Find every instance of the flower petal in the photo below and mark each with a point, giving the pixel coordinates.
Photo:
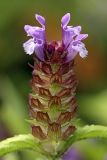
(81, 37)
(69, 33)
(39, 49)
(77, 30)
(40, 19)
(80, 47)
(74, 48)
(29, 46)
(71, 53)
(29, 30)
(65, 20)
(35, 32)
(26, 28)
(67, 37)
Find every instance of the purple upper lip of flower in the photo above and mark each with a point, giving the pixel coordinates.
(71, 39)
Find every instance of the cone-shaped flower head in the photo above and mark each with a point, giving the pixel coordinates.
(52, 102)
(71, 40)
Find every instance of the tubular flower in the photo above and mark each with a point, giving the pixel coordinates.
(52, 102)
(72, 38)
(36, 43)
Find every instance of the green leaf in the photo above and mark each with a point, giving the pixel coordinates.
(29, 142)
(18, 143)
(92, 131)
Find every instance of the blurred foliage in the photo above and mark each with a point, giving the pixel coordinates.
(13, 109)
(15, 73)
(94, 108)
(92, 149)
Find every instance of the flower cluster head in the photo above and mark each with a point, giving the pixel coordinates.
(52, 102)
(70, 45)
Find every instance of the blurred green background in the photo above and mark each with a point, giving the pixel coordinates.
(15, 72)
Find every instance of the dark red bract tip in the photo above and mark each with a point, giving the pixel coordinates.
(54, 51)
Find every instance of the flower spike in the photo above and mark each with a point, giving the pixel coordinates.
(52, 102)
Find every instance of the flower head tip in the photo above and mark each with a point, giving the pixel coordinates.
(71, 39)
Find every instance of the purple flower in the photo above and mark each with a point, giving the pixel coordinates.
(72, 154)
(36, 43)
(71, 40)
